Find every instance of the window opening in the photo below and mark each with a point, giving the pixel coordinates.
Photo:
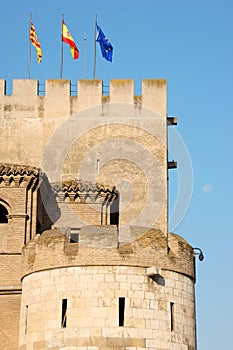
(74, 234)
(97, 166)
(74, 237)
(172, 316)
(114, 212)
(26, 318)
(64, 313)
(3, 214)
(121, 311)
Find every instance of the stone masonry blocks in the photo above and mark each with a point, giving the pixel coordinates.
(96, 312)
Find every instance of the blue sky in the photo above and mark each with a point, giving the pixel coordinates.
(190, 43)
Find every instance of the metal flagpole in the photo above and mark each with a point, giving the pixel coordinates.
(95, 22)
(61, 58)
(29, 47)
(85, 47)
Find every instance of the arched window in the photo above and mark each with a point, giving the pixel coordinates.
(3, 214)
(114, 211)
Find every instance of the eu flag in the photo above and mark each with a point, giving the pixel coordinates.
(105, 45)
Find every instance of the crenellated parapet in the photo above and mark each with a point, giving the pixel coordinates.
(53, 250)
(57, 101)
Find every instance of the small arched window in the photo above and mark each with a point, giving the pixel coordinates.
(3, 214)
(114, 211)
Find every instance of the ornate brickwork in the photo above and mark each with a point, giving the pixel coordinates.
(80, 191)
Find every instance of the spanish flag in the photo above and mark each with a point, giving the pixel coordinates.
(35, 42)
(67, 38)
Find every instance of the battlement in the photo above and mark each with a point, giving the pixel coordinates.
(58, 101)
(96, 247)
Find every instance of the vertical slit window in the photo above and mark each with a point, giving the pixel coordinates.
(172, 316)
(121, 311)
(98, 166)
(26, 318)
(64, 313)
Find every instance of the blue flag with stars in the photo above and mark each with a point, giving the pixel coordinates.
(105, 45)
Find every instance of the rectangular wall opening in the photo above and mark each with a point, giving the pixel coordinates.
(64, 313)
(121, 311)
(172, 316)
(114, 212)
(74, 238)
(26, 318)
(74, 234)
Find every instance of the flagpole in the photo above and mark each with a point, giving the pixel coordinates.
(29, 47)
(95, 22)
(61, 58)
(84, 55)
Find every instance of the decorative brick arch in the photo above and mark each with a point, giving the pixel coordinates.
(4, 211)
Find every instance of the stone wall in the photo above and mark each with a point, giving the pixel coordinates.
(92, 280)
(116, 140)
(9, 319)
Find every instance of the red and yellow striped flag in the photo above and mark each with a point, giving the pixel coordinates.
(67, 38)
(35, 42)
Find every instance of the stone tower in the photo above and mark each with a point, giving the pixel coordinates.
(86, 258)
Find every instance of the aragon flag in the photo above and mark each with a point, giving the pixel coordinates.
(35, 42)
(67, 38)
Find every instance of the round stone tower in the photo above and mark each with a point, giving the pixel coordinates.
(132, 296)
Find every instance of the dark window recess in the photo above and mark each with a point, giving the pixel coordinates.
(38, 227)
(121, 311)
(3, 214)
(114, 212)
(26, 318)
(74, 238)
(64, 313)
(172, 316)
(74, 235)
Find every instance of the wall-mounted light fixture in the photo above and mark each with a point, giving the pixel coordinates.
(198, 251)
